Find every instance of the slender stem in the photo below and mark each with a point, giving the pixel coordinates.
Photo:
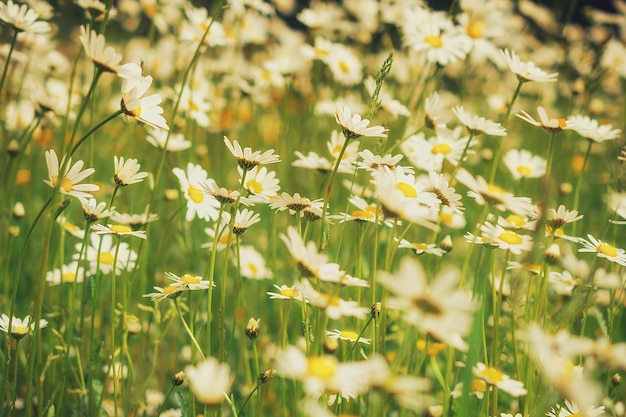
(92, 130)
(113, 367)
(8, 62)
(188, 330)
(458, 165)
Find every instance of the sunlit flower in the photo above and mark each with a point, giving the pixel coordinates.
(143, 109)
(347, 335)
(477, 125)
(285, 293)
(446, 194)
(67, 274)
(421, 248)
(73, 175)
(354, 127)
(372, 162)
(22, 18)
(563, 282)
(526, 71)
(344, 65)
(438, 308)
(248, 159)
(20, 327)
(252, 264)
(295, 203)
(243, 220)
(496, 377)
(591, 129)
(210, 381)
(429, 155)
(118, 230)
(101, 255)
(506, 239)
(221, 194)
(199, 204)
(94, 211)
(127, 171)
(105, 57)
(261, 185)
(561, 216)
(135, 221)
(365, 212)
(434, 117)
(162, 293)
(70, 227)
(310, 261)
(198, 23)
(571, 409)
(545, 121)
(603, 250)
(334, 306)
(522, 164)
(189, 282)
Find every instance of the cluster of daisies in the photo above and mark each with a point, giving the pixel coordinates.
(438, 238)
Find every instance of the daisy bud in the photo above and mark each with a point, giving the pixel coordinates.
(266, 375)
(434, 411)
(486, 154)
(552, 255)
(171, 194)
(375, 310)
(14, 231)
(331, 345)
(133, 325)
(18, 210)
(616, 379)
(446, 244)
(565, 189)
(252, 329)
(179, 378)
(14, 148)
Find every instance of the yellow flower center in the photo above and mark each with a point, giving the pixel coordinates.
(253, 269)
(195, 194)
(190, 279)
(65, 183)
(407, 189)
(478, 385)
(441, 148)
(20, 330)
(347, 334)
(433, 347)
(492, 375)
(344, 67)
(254, 186)
(266, 75)
(534, 268)
(70, 227)
(516, 220)
(321, 366)
(321, 52)
(434, 41)
(475, 29)
(420, 246)
(607, 250)
(171, 289)
(290, 292)
(524, 170)
(192, 105)
(364, 214)
(136, 112)
(331, 300)
(446, 218)
(106, 258)
(68, 277)
(494, 189)
(120, 228)
(511, 238)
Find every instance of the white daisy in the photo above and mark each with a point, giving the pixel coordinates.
(143, 109)
(248, 159)
(127, 172)
(546, 122)
(591, 129)
(506, 239)
(22, 18)
(353, 126)
(210, 381)
(522, 164)
(603, 250)
(526, 71)
(477, 125)
(70, 180)
(199, 204)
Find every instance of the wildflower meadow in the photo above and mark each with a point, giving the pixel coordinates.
(280, 208)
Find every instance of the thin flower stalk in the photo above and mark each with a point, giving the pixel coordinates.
(579, 182)
(505, 119)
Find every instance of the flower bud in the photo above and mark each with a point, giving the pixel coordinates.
(446, 244)
(179, 378)
(552, 255)
(252, 329)
(18, 210)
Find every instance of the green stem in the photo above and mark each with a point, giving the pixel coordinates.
(579, 182)
(188, 330)
(8, 61)
(91, 131)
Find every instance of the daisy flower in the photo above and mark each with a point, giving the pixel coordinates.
(188, 282)
(69, 273)
(561, 216)
(135, 221)
(477, 125)
(243, 220)
(143, 109)
(429, 155)
(446, 194)
(127, 171)
(105, 57)
(197, 23)
(563, 282)
(199, 204)
(591, 129)
(603, 250)
(70, 227)
(522, 164)
(94, 211)
(485, 193)
(176, 142)
(248, 159)
(221, 194)
(365, 212)
(319, 374)
(499, 379)
(171, 292)
(334, 306)
(210, 381)
(101, 255)
(347, 335)
(372, 162)
(354, 127)
(71, 178)
(421, 248)
(438, 308)
(252, 264)
(285, 293)
(261, 184)
(295, 203)
(506, 239)
(225, 237)
(19, 327)
(316, 162)
(118, 230)
(545, 122)
(336, 144)
(310, 261)
(526, 71)
(434, 117)
(344, 65)
(571, 409)
(22, 18)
